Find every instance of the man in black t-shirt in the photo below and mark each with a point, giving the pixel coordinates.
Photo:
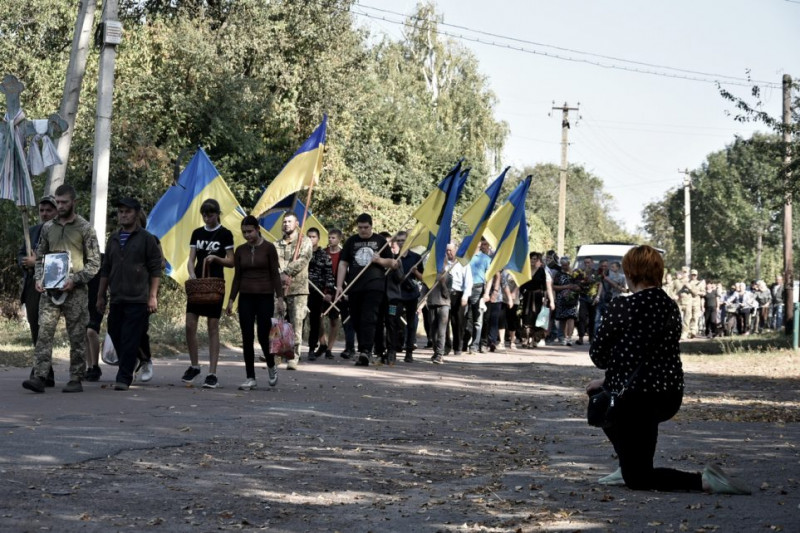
(211, 245)
(364, 259)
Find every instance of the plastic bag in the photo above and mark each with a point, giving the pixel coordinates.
(543, 320)
(108, 353)
(281, 339)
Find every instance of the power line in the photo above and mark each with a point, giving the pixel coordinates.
(690, 75)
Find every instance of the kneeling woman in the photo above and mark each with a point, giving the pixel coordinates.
(638, 346)
(257, 282)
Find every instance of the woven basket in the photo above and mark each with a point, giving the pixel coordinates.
(205, 290)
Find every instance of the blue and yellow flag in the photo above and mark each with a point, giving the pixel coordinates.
(435, 265)
(430, 212)
(512, 244)
(177, 214)
(301, 171)
(272, 221)
(477, 216)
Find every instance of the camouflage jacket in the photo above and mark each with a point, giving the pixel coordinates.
(296, 269)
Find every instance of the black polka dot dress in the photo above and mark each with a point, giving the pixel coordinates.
(645, 326)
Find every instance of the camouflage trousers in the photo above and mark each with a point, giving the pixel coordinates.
(690, 311)
(297, 309)
(75, 310)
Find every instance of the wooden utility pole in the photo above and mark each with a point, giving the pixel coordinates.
(72, 88)
(110, 36)
(562, 188)
(788, 271)
(687, 216)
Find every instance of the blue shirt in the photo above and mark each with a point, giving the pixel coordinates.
(479, 265)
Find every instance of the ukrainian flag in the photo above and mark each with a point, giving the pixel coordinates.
(512, 245)
(177, 214)
(272, 222)
(302, 170)
(435, 264)
(477, 216)
(430, 212)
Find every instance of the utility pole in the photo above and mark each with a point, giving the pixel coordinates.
(788, 271)
(562, 189)
(72, 89)
(687, 216)
(110, 34)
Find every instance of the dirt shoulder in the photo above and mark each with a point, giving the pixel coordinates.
(485, 442)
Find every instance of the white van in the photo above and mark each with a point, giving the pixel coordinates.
(604, 251)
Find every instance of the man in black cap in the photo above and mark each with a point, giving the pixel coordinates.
(131, 273)
(30, 296)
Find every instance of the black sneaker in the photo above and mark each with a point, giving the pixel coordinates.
(211, 382)
(73, 386)
(321, 350)
(328, 354)
(409, 357)
(35, 384)
(94, 373)
(312, 356)
(190, 374)
(347, 354)
(437, 360)
(363, 359)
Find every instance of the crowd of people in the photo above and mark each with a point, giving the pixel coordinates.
(709, 310)
(363, 285)
(377, 293)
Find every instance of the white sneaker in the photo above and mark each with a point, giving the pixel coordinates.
(146, 371)
(613, 479)
(273, 375)
(541, 344)
(249, 384)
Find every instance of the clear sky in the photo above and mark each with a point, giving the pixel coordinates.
(635, 130)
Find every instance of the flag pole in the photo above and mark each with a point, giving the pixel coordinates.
(25, 228)
(308, 204)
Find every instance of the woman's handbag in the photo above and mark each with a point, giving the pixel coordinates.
(543, 320)
(602, 406)
(600, 412)
(281, 339)
(205, 290)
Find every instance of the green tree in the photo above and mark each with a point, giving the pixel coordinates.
(735, 209)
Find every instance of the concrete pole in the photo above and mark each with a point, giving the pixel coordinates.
(72, 89)
(562, 187)
(788, 270)
(687, 217)
(102, 131)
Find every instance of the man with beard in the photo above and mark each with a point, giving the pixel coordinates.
(72, 234)
(294, 275)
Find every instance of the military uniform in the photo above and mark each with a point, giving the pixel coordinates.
(296, 295)
(697, 287)
(680, 288)
(79, 239)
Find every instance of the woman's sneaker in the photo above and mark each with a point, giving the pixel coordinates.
(191, 373)
(249, 384)
(273, 375)
(211, 382)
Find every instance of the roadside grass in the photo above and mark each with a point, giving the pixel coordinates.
(167, 331)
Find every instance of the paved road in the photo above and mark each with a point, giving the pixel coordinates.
(489, 442)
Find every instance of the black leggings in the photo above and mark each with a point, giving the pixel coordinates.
(256, 309)
(634, 436)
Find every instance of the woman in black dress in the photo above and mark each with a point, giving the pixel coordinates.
(640, 337)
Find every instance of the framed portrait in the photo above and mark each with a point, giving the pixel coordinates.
(56, 270)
